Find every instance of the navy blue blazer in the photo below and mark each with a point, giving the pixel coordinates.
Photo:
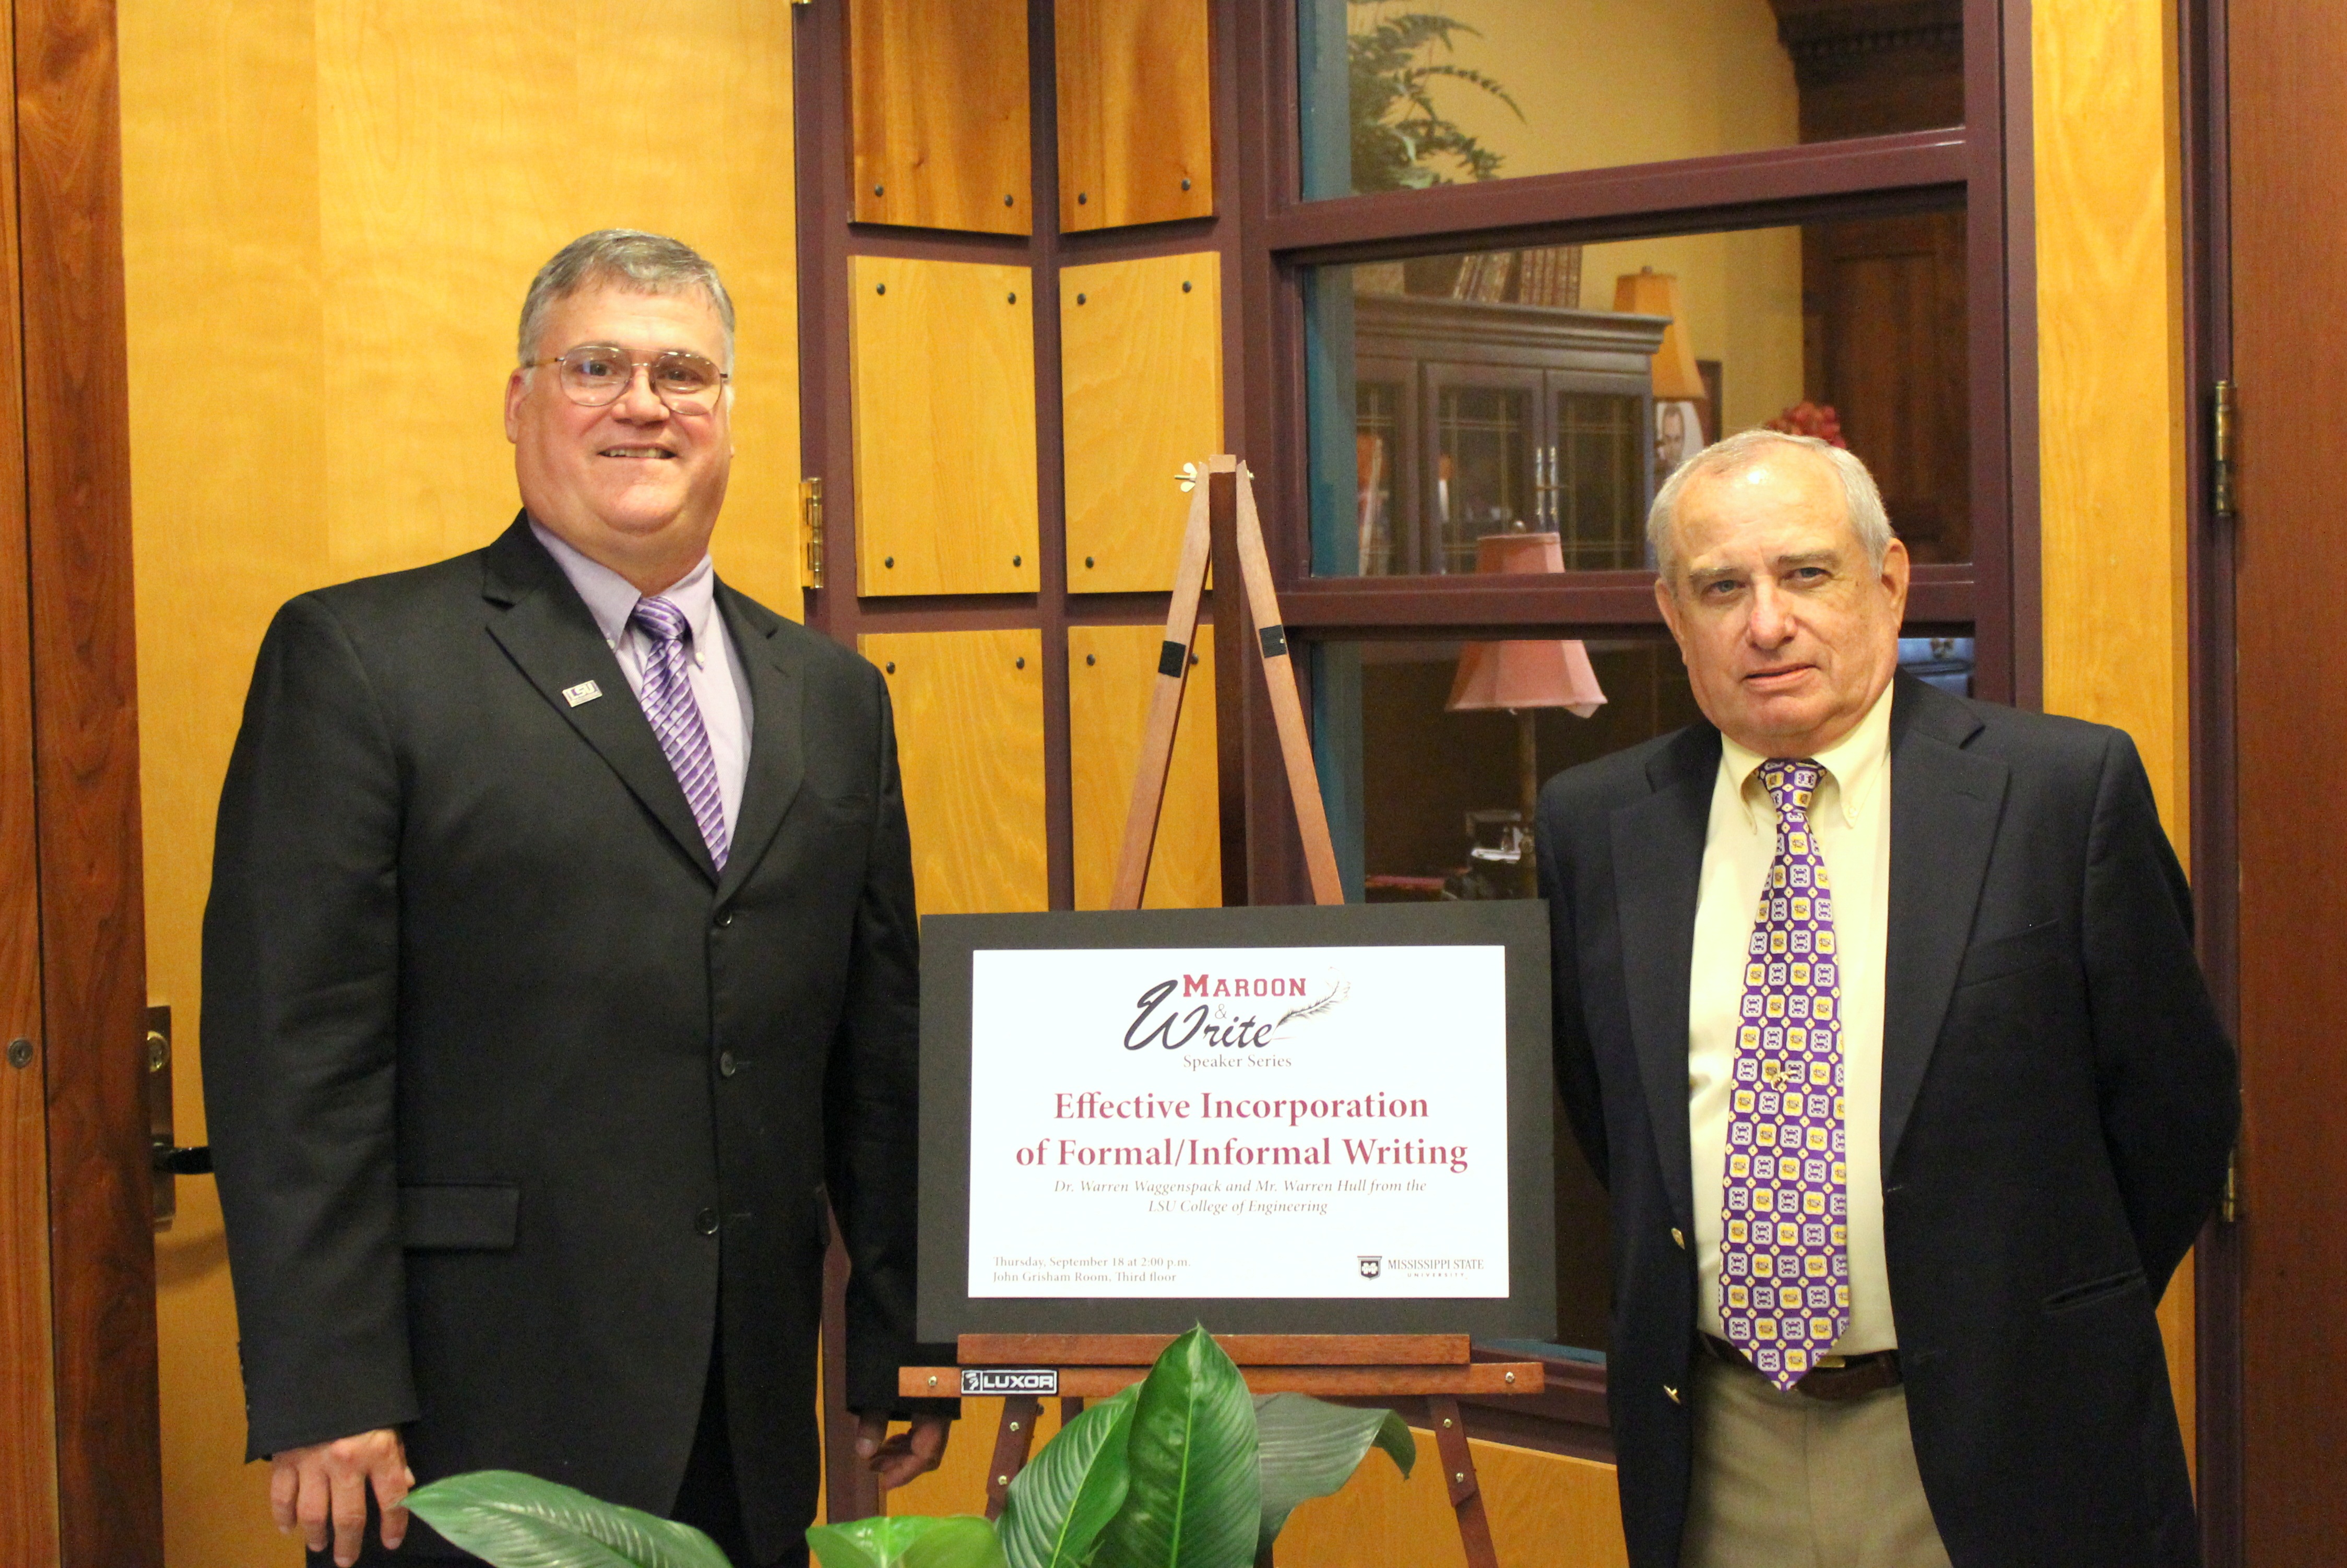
(2058, 1103)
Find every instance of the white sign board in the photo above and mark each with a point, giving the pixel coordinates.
(1249, 1122)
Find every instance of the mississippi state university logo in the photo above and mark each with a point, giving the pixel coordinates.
(1372, 1267)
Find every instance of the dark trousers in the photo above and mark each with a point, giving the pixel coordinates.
(709, 1499)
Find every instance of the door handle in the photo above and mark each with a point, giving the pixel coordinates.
(170, 1161)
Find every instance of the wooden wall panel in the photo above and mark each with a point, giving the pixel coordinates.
(28, 1433)
(1136, 112)
(312, 188)
(942, 367)
(969, 739)
(1111, 675)
(2111, 406)
(1140, 368)
(938, 113)
(1546, 1512)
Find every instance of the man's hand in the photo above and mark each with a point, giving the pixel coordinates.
(908, 1454)
(310, 1488)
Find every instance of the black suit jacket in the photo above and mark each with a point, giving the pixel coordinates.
(513, 1098)
(2057, 1104)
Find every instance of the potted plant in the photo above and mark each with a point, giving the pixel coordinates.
(1183, 1469)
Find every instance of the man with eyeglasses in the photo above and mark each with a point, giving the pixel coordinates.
(560, 983)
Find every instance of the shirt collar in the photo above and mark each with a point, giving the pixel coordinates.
(611, 599)
(1854, 765)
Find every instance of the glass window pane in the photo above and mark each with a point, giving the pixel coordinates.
(1402, 94)
(1551, 390)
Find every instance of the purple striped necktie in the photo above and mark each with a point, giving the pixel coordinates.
(676, 719)
(1784, 1256)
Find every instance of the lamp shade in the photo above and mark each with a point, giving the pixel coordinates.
(1651, 294)
(1546, 673)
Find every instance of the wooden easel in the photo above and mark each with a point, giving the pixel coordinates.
(1435, 1367)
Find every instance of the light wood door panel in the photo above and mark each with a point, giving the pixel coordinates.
(970, 741)
(2289, 291)
(942, 367)
(1136, 112)
(937, 110)
(1547, 1511)
(1141, 377)
(1112, 675)
(333, 207)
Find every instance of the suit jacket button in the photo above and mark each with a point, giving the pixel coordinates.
(706, 1222)
(725, 919)
(726, 1065)
(1673, 1393)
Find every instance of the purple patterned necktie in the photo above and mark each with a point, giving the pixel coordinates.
(676, 719)
(1784, 1256)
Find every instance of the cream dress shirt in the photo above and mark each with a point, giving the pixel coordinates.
(712, 664)
(1851, 820)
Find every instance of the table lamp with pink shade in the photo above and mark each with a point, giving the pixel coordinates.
(1523, 676)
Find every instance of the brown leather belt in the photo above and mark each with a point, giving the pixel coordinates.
(1832, 1379)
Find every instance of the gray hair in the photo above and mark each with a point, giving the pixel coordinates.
(1862, 502)
(628, 259)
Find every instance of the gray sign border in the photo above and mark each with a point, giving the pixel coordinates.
(948, 941)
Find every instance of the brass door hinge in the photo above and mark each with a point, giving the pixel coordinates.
(811, 522)
(2220, 450)
(2228, 1208)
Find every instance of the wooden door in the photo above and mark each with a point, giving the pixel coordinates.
(2288, 89)
(80, 1479)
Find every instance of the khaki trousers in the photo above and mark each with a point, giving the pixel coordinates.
(1782, 1480)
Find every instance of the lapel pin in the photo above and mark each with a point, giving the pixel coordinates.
(585, 691)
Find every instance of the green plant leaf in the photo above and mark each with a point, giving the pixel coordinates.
(1310, 1449)
(515, 1520)
(1193, 1497)
(1060, 1503)
(912, 1540)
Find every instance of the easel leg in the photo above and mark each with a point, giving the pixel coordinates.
(1011, 1441)
(1458, 1475)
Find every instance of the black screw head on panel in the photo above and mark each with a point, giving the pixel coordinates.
(1014, 299)
(879, 288)
(1007, 201)
(1080, 299)
(1016, 560)
(879, 191)
(1185, 285)
(1020, 662)
(1082, 199)
(1185, 185)
(888, 561)
(1088, 561)
(20, 1054)
(892, 667)
(1089, 660)
(1193, 661)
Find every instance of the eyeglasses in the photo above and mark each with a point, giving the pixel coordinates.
(597, 375)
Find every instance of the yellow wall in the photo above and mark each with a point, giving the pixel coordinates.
(2111, 406)
(330, 210)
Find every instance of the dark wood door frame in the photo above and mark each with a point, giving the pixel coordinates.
(66, 353)
(2215, 862)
